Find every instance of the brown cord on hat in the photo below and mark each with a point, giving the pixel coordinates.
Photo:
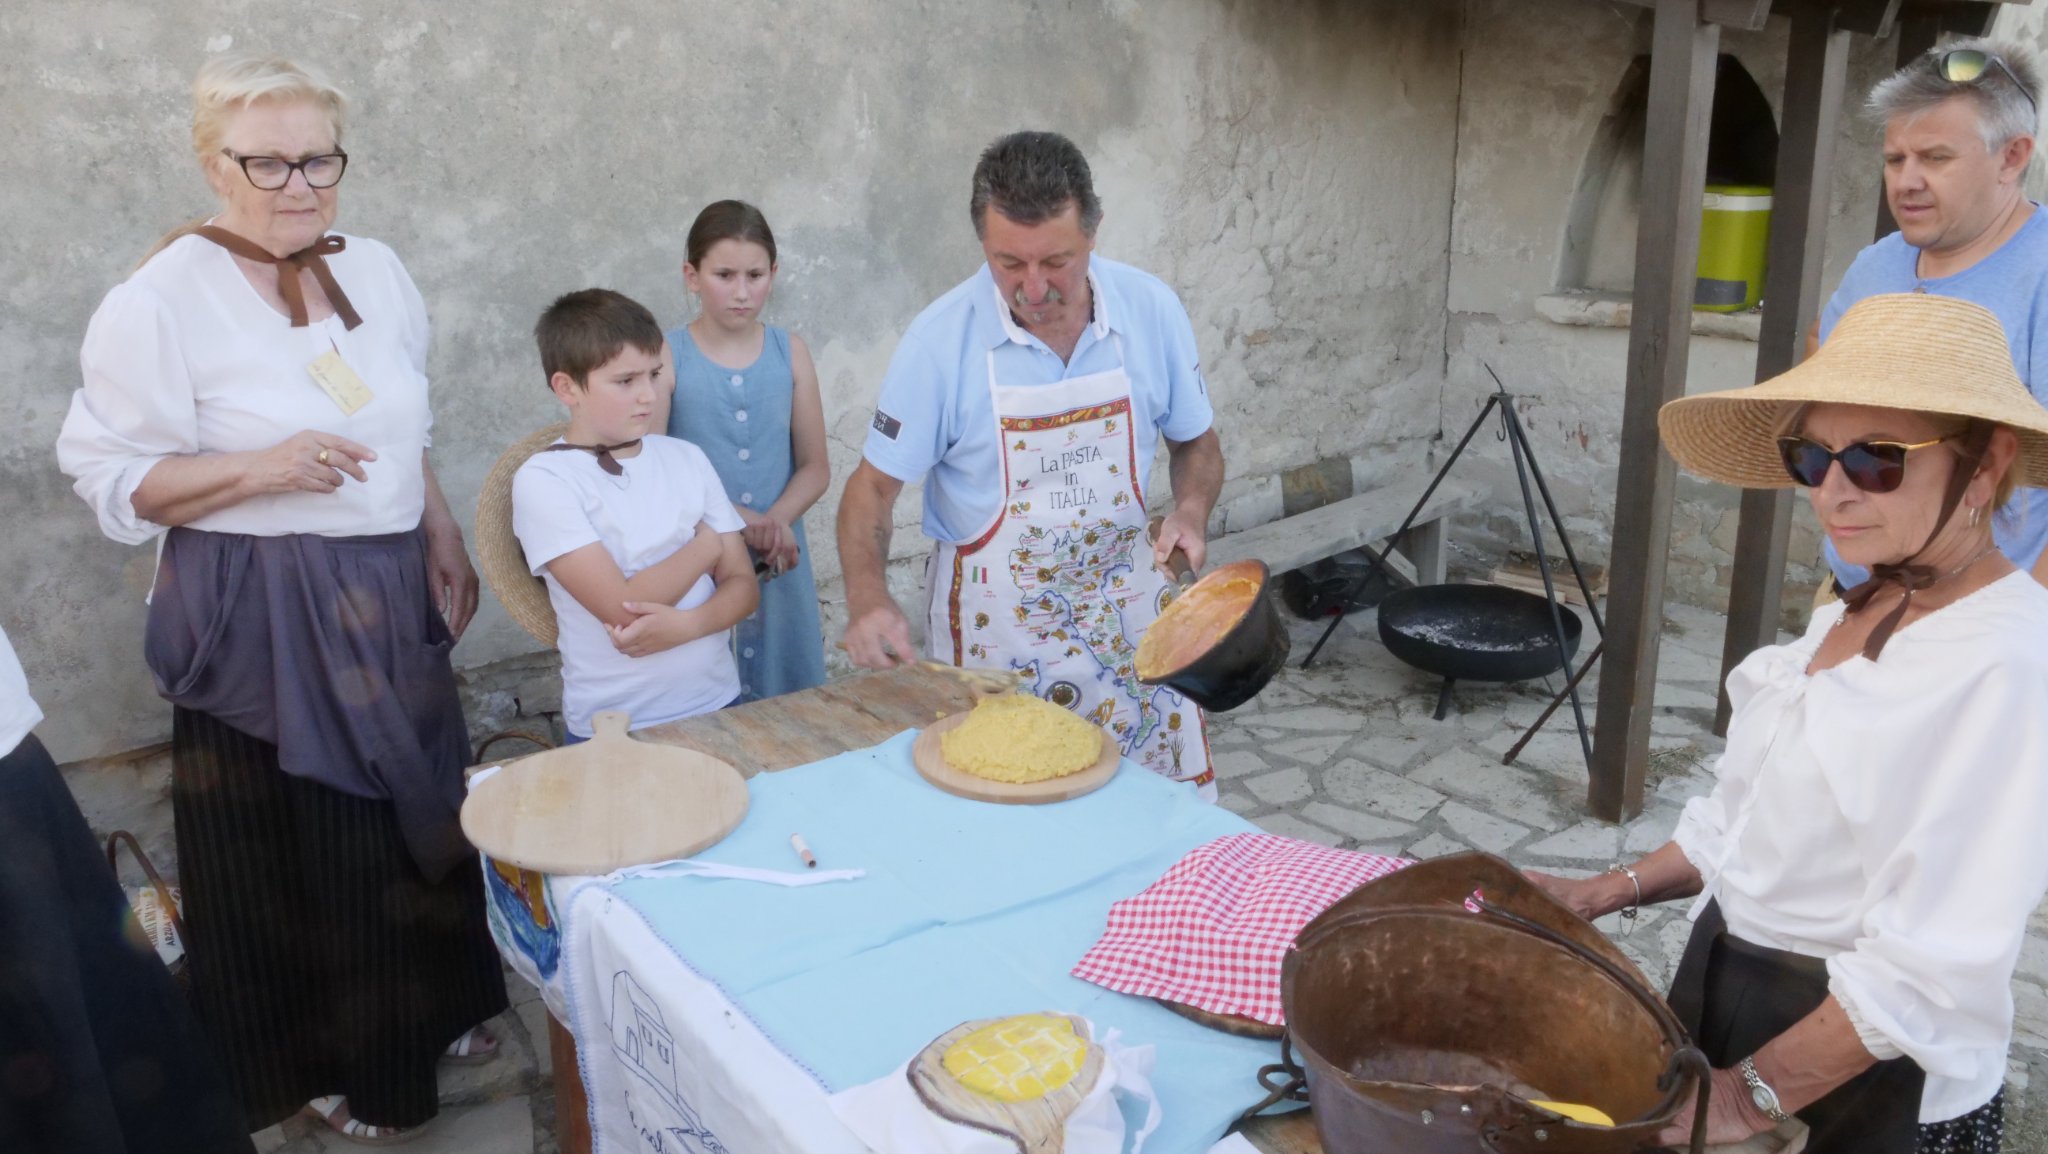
(313, 257)
(1909, 575)
(603, 453)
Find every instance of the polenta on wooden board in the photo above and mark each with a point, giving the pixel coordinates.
(931, 764)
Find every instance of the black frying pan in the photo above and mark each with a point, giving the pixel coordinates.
(1239, 663)
(1476, 633)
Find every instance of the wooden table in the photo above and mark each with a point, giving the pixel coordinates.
(800, 728)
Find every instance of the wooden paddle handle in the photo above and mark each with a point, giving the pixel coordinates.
(1177, 565)
(610, 724)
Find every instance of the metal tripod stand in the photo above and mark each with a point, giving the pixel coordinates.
(1526, 468)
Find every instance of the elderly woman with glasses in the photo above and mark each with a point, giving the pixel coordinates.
(1871, 851)
(255, 399)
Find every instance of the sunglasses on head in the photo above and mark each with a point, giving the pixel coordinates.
(1967, 65)
(1872, 466)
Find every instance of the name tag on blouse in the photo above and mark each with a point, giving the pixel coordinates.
(339, 382)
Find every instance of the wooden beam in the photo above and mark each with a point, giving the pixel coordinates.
(1816, 74)
(1681, 102)
(1748, 15)
(1872, 18)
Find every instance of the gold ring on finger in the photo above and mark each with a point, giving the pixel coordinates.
(322, 458)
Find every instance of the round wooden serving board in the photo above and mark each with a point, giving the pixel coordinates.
(1237, 1024)
(604, 804)
(931, 762)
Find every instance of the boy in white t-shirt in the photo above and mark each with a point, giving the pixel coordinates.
(632, 531)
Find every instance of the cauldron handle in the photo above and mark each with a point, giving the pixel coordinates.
(1685, 1054)
(1294, 1087)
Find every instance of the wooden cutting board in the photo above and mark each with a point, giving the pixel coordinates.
(925, 753)
(604, 804)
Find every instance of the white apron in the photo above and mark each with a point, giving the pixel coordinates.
(1060, 585)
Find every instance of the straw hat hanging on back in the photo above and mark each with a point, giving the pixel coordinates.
(524, 595)
(1911, 351)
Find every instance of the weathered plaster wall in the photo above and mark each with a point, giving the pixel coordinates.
(1535, 87)
(1287, 164)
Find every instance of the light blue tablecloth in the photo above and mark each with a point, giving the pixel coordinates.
(968, 910)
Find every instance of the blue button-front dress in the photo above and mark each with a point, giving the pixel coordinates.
(740, 418)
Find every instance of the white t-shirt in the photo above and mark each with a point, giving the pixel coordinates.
(184, 357)
(1888, 816)
(18, 712)
(562, 501)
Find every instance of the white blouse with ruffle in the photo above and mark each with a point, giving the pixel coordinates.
(1892, 818)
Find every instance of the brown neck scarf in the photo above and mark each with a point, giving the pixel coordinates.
(603, 453)
(313, 256)
(1910, 575)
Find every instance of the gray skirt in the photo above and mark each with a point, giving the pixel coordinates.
(329, 648)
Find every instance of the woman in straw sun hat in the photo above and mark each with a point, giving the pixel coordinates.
(1867, 859)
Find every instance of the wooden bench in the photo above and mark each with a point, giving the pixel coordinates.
(1366, 519)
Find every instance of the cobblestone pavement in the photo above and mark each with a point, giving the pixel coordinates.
(1347, 754)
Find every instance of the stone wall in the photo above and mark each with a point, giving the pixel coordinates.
(1244, 151)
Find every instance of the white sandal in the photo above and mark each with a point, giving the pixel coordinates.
(323, 1109)
(475, 1047)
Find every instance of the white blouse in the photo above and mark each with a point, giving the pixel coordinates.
(185, 357)
(1892, 818)
(18, 712)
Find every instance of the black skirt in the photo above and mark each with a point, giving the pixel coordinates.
(98, 1052)
(1733, 996)
(323, 960)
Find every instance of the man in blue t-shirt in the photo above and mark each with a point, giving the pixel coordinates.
(1029, 401)
(1959, 127)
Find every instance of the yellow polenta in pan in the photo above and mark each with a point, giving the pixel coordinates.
(1019, 738)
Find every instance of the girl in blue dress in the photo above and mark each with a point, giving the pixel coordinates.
(747, 394)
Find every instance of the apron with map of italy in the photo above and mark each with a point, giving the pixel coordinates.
(1060, 585)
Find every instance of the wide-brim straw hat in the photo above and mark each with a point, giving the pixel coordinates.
(523, 595)
(1911, 351)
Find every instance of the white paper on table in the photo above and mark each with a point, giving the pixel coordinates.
(1234, 1144)
(888, 1115)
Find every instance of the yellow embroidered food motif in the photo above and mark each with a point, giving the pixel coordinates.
(1019, 738)
(1576, 1112)
(1018, 1059)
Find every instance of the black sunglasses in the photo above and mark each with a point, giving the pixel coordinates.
(1967, 65)
(1872, 466)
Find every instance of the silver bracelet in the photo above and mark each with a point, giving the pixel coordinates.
(1629, 911)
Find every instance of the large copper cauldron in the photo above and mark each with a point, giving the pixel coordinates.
(1428, 1019)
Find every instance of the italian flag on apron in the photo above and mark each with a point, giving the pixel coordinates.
(1060, 586)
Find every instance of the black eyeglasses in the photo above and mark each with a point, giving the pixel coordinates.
(1967, 65)
(271, 173)
(1872, 466)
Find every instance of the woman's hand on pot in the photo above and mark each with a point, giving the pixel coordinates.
(1586, 897)
(1731, 1116)
(310, 462)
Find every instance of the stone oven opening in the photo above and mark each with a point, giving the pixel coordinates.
(1598, 254)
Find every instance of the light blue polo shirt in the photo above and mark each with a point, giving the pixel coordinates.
(2013, 283)
(935, 421)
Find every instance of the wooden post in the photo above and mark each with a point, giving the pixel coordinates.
(1816, 71)
(1681, 101)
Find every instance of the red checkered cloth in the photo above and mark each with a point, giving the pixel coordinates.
(1211, 932)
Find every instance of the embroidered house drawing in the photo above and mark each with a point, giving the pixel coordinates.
(643, 1042)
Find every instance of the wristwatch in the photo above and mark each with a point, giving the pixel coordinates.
(1760, 1092)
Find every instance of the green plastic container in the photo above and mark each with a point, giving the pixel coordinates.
(1735, 233)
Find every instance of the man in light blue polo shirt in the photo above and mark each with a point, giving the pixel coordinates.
(1029, 401)
(1959, 135)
